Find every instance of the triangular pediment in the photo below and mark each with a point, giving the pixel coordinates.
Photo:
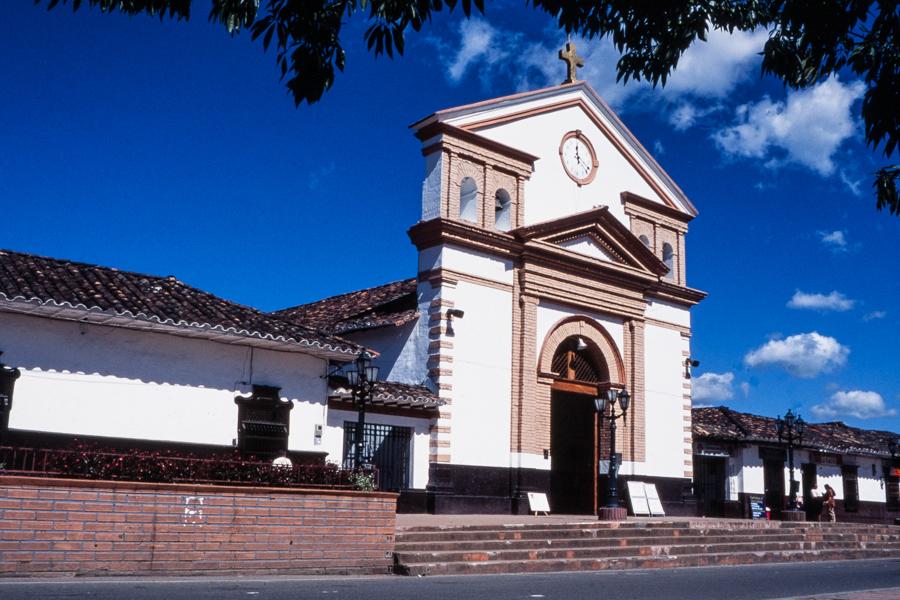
(490, 117)
(595, 234)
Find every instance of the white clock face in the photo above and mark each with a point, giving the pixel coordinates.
(578, 158)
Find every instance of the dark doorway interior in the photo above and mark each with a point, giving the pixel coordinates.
(709, 484)
(773, 479)
(573, 484)
(810, 480)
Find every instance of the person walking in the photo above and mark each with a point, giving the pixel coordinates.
(827, 514)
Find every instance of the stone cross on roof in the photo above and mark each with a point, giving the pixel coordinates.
(573, 62)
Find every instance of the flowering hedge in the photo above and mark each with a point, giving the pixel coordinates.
(88, 461)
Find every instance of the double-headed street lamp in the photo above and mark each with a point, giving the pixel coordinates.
(790, 429)
(362, 382)
(602, 403)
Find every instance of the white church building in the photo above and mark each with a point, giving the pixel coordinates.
(551, 267)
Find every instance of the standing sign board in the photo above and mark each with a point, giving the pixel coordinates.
(656, 507)
(637, 495)
(757, 507)
(538, 503)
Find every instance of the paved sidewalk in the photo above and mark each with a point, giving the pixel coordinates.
(886, 594)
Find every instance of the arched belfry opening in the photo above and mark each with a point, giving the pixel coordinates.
(579, 360)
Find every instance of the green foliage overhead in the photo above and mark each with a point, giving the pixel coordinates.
(809, 40)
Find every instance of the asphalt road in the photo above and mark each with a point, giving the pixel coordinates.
(713, 583)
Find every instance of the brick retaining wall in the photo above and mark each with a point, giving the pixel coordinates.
(83, 527)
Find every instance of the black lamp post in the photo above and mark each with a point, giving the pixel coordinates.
(790, 429)
(8, 376)
(602, 403)
(362, 381)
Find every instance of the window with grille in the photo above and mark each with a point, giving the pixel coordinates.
(387, 447)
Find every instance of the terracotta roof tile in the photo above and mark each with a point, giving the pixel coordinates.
(390, 393)
(722, 423)
(38, 280)
(391, 304)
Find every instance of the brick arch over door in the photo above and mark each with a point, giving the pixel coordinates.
(599, 343)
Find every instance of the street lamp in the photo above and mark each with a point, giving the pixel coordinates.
(8, 376)
(603, 403)
(791, 429)
(362, 382)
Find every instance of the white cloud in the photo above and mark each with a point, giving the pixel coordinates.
(803, 355)
(658, 148)
(712, 69)
(708, 70)
(475, 45)
(745, 389)
(807, 129)
(875, 314)
(854, 185)
(853, 403)
(834, 240)
(833, 301)
(714, 387)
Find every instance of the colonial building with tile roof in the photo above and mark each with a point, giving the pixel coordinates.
(552, 270)
(738, 456)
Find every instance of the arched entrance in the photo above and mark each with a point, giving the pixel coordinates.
(579, 359)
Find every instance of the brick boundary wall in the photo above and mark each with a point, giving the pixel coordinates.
(85, 527)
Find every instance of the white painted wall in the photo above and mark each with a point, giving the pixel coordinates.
(402, 351)
(668, 312)
(664, 409)
(550, 193)
(431, 187)
(104, 381)
(333, 440)
(749, 472)
(585, 245)
(482, 378)
(464, 260)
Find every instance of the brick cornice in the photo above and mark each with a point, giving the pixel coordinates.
(463, 141)
(661, 213)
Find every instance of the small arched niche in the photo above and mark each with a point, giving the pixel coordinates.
(502, 210)
(644, 240)
(468, 200)
(668, 258)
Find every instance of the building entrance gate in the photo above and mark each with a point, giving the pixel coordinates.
(573, 448)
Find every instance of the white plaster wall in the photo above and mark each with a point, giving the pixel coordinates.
(550, 193)
(750, 468)
(668, 312)
(482, 377)
(664, 413)
(431, 187)
(464, 260)
(550, 313)
(333, 440)
(586, 246)
(104, 381)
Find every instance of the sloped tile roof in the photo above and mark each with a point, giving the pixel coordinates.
(28, 279)
(390, 394)
(391, 304)
(722, 423)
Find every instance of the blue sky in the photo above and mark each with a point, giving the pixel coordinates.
(171, 148)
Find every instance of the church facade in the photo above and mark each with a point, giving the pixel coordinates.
(551, 268)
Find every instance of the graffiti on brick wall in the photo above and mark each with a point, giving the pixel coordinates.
(193, 511)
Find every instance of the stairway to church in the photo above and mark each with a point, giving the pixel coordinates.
(632, 545)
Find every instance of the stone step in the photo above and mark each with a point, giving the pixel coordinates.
(579, 531)
(570, 553)
(404, 546)
(641, 562)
